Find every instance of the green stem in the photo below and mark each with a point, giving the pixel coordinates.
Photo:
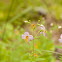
(37, 33)
(33, 43)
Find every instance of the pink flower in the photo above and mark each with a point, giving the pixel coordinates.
(43, 31)
(27, 37)
(60, 40)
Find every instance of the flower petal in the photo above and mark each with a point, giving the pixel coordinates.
(26, 33)
(61, 36)
(31, 37)
(60, 40)
(44, 33)
(23, 36)
(42, 27)
(41, 32)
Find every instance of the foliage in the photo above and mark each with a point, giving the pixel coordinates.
(13, 13)
(14, 49)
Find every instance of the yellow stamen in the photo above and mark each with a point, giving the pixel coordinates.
(45, 31)
(26, 38)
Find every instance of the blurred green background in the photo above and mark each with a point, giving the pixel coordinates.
(13, 13)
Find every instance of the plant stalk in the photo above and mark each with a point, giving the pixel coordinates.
(33, 43)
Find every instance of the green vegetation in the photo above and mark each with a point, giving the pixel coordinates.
(13, 13)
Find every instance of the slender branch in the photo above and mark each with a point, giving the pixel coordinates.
(37, 33)
(33, 42)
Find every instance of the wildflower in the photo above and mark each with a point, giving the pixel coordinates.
(33, 25)
(35, 55)
(60, 40)
(59, 27)
(51, 24)
(43, 31)
(25, 21)
(27, 37)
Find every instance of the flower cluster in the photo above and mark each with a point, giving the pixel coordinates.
(28, 37)
(42, 30)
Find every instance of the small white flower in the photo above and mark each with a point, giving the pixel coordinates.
(51, 24)
(25, 21)
(41, 25)
(59, 27)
